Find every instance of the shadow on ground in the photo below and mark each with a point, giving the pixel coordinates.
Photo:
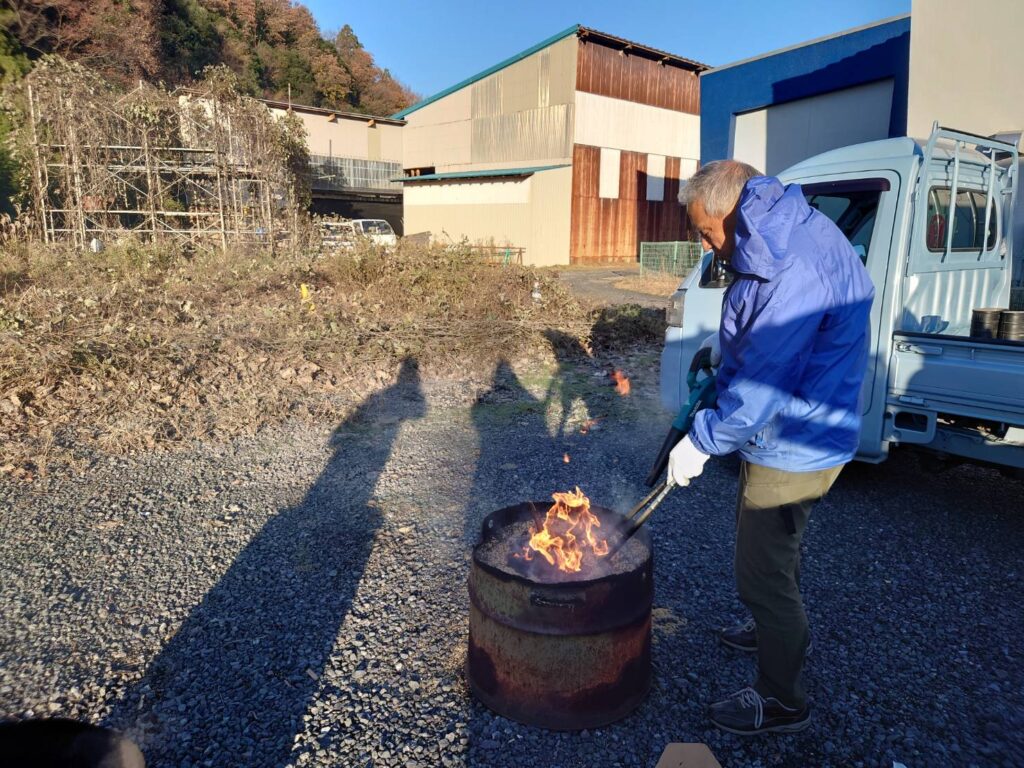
(234, 683)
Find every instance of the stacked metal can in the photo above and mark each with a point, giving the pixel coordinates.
(1011, 325)
(985, 323)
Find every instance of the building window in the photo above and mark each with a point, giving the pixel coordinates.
(656, 177)
(609, 173)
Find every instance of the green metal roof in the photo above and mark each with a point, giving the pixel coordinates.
(489, 71)
(479, 174)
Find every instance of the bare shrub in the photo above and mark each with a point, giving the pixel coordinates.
(142, 345)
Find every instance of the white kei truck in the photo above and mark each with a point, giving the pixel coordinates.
(934, 223)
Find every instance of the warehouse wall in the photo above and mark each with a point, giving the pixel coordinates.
(610, 229)
(520, 116)
(529, 212)
(390, 139)
(776, 137)
(605, 71)
(606, 122)
(551, 215)
(867, 55)
(439, 134)
(966, 65)
(349, 136)
(478, 210)
(637, 134)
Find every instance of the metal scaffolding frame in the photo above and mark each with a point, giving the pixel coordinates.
(219, 192)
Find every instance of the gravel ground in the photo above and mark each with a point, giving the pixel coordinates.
(598, 284)
(299, 597)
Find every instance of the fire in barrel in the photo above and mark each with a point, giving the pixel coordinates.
(559, 631)
(567, 532)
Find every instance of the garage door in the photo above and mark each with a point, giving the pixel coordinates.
(776, 137)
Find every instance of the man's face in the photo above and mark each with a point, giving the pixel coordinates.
(717, 233)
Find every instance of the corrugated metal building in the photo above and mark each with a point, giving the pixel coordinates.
(784, 106)
(954, 62)
(572, 149)
(353, 161)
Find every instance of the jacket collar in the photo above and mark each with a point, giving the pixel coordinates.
(766, 217)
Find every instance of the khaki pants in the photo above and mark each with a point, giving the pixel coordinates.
(771, 512)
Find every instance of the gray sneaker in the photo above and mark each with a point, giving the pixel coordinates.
(747, 713)
(743, 637)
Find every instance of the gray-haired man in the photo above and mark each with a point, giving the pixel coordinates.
(793, 352)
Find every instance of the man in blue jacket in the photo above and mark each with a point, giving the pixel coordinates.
(791, 352)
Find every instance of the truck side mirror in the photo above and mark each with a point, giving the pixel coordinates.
(713, 273)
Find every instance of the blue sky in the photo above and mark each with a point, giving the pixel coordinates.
(431, 45)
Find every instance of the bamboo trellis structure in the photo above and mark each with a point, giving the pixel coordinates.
(208, 168)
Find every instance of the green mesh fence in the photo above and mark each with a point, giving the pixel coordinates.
(676, 258)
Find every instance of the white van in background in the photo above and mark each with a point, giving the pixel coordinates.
(345, 233)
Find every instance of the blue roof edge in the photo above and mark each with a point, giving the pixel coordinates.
(483, 173)
(489, 71)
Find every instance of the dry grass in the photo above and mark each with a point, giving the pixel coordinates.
(141, 346)
(652, 284)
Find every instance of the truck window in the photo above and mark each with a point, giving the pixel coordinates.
(377, 227)
(852, 206)
(968, 220)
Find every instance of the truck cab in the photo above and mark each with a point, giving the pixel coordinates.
(933, 222)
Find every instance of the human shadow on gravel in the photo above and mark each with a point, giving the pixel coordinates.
(523, 448)
(232, 686)
(516, 448)
(573, 382)
(504, 466)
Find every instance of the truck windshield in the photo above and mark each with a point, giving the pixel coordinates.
(376, 227)
(852, 205)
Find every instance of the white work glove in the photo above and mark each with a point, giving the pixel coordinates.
(685, 462)
(713, 343)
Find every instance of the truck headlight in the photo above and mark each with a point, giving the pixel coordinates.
(674, 311)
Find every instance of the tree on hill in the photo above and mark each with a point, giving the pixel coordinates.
(372, 89)
(117, 38)
(274, 46)
(190, 40)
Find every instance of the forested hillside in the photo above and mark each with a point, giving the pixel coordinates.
(270, 44)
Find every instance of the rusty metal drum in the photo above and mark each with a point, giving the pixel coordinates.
(560, 653)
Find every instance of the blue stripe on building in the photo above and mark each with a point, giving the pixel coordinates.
(859, 57)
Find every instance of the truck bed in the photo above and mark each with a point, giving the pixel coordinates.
(959, 376)
(957, 396)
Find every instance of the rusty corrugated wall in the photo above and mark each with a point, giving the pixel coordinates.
(608, 72)
(644, 112)
(611, 229)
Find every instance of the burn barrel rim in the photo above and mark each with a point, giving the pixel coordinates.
(514, 512)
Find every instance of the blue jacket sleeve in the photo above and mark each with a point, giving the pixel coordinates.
(767, 334)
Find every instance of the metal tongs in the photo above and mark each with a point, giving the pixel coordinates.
(703, 394)
(638, 515)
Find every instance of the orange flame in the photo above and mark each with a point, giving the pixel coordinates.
(621, 382)
(565, 458)
(568, 529)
